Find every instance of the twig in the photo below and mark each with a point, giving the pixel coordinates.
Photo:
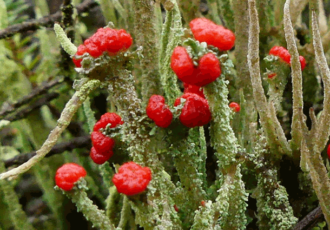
(43, 88)
(314, 122)
(47, 21)
(78, 142)
(278, 129)
(67, 22)
(75, 128)
(68, 112)
(67, 11)
(297, 7)
(36, 104)
(312, 216)
(323, 27)
(323, 131)
(318, 171)
(297, 92)
(258, 90)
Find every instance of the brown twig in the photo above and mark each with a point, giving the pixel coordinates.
(78, 142)
(47, 21)
(67, 23)
(307, 220)
(66, 116)
(28, 109)
(42, 89)
(75, 128)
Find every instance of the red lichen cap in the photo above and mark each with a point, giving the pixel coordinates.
(195, 112)
(125, 39)
(205, 30)
(107, 118)
(80, 51)
(102, 143)
(208, 69)
(193, 89)
(107, 40)
(158, 111)
(302, 62)
(99, 158)
(272, 75)
(203, 203)
(235, 106)
(132, 178)
(181, 63)
(68, 174)
(93, 46)
(284, 54)
(281, 52)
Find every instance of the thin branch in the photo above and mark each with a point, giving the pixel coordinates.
(20, 114)
(78, 142)
(317, 171)
(278, 129)
(67, 22)
(311, 217)
(314, 122)
(297, 92)
(47, 21)
(325, 44)
(68, 112)
(297, 7)
(258, 90)
(42, 89)
(322, 18)
(75, 127)
(322, 133)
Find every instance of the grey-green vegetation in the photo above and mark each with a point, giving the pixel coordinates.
(265, 167)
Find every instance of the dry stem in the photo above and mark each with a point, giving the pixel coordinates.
(70, 109)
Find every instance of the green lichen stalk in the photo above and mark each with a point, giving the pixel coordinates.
(146, 28)
(231, 201)
(143, 151)
(90, 211)
(11, 206)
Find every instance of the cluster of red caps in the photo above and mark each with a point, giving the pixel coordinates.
(130, 180)
(285, 56)
(111, 41)
(195, 111)
(208, 69)
(68, 174)
(205, 30)
(158, 111)
(102, 144)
